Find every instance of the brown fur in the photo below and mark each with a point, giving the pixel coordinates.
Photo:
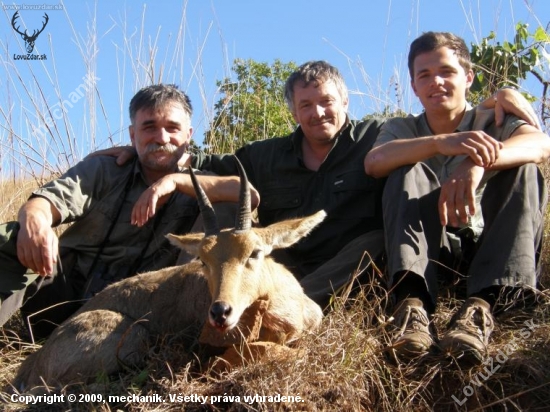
(115, 324)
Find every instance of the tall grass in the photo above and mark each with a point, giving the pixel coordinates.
(344, 367)
(43, 130)
(48, 124)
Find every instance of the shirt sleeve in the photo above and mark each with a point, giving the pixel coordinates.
(223, 165)
(396, 128)
(72, 193)
(485, 120)
(509, 126)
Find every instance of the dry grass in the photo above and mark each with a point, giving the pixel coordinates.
(344, 367)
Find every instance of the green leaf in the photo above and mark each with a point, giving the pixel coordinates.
(541, 35)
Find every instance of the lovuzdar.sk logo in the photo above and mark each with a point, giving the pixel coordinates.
(29, 40)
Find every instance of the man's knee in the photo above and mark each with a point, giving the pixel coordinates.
(525, 180)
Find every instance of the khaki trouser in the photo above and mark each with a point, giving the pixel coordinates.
(508, 251)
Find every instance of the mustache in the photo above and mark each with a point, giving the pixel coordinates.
(155, 147)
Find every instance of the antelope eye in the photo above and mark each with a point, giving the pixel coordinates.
(255, 254)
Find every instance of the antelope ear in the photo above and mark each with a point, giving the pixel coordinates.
(284, 234)
(189, 242)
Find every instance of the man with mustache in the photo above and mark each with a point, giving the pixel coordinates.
(112, 234)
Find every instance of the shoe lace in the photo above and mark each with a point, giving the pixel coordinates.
(475, 321)
(411, 318)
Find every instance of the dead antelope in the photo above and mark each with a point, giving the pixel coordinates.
(233, 273)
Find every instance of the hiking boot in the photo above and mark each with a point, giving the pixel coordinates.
(412, 336)
(469, 330)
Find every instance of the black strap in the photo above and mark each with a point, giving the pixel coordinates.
(127, 187)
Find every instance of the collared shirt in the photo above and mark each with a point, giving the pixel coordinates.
(288, 189)
(90, 195)
(443, 166)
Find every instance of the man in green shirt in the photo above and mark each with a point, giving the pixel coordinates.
(113, 234)
(318, 166)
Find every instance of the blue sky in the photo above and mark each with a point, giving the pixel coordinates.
(195, 42)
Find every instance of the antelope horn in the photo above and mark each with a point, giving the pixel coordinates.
(207, 211)
(243, 222)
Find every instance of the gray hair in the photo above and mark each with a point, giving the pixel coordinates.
(158, 96)
(314, 71)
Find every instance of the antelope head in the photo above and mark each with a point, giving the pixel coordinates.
(236, 261)
(29, 40)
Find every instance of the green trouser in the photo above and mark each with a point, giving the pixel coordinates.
(351, 263)
(507, 253)
(15, 278)
(19, 284)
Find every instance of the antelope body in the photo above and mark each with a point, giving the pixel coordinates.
(233, 272)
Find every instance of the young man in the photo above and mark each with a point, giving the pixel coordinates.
(112, 235)
(453, 174)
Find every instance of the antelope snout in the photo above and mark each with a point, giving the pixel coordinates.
(219, 312)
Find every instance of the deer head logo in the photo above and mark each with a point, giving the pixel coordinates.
(29, 40)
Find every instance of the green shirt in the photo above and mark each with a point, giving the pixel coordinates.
(89, 195)
(443, 166)
(289, 189)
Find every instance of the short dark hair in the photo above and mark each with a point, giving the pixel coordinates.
(430, 41)
(157, 96)
(314, 71)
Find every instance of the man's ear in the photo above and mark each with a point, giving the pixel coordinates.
(345, 103)
(132, 131)
(469, 79)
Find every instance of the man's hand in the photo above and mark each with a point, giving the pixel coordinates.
(123, 154)
(216, 188)
(511, 101)
(153, 198)
(37, 245)
(478, 145)
(457, 197)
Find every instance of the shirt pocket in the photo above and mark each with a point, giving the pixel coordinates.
(355, 195)
(183, 208)
(279, 203)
